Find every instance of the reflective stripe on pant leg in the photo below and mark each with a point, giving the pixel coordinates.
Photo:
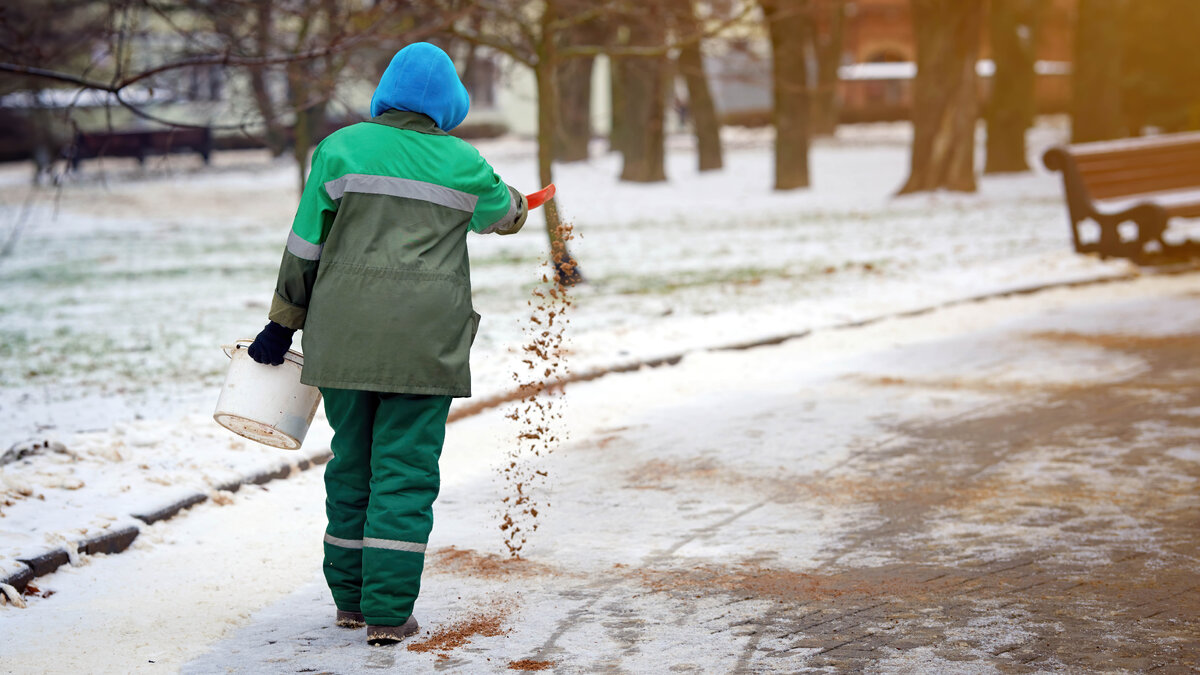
(347, 491)
(408, 436)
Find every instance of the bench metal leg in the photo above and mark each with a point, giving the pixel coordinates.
(1151, 221)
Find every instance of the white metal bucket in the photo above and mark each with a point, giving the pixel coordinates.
(267, 404)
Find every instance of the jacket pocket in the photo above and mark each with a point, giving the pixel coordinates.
(401, 330)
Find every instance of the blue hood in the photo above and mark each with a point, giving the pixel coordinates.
(421, 78)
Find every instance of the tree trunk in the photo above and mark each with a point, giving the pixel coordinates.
(700, 105)
(827, 45)
(575, 81)
(575, 109)
(1013, 30)
(618, 130)
(301, 146)
(945, 95)
(301, 130)
(643, 92)
(1096, 78)
(787, 22)
(276, 138)
(566, 271)
(1160, 86)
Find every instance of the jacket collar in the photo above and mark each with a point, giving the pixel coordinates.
(411, 121)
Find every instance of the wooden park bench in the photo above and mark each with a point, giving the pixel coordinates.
(140, 144)
(1144, 181)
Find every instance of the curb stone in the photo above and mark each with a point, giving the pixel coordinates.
(119, 540)
(172, 509)
(19, 579)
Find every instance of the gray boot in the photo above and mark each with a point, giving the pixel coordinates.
(388, 635)
(350, 619)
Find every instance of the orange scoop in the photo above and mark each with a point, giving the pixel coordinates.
(536, 199)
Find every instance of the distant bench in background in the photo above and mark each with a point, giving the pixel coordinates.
(1146, 181)
(140, 144)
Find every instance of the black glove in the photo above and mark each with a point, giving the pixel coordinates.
(271, 344)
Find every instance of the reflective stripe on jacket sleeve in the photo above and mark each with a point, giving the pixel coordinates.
(302, 256)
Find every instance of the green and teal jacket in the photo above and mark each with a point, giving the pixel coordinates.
(376, 270)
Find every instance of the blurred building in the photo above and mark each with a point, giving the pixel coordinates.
(879, 61)
(880, 31)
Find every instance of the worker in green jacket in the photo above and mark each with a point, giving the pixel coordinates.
(376, 273)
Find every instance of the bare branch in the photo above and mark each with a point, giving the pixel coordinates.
(508, 48)
(583, 17)
(226, 60)
(748, 8)
(119, 84)
(54, 75)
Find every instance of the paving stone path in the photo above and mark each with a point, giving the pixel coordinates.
(1019, 498)
(1049, 527)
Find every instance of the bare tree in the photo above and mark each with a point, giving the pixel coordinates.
(945, 96)
(1096, 75)
(575, 84)
(50, 34)
(788, 25)
(1160, 87)
(312, 82)
(575, 104)
(618, 134)
(258, 27)
(255, 27)
(701, 109)
(1013, 28)
(828, 38)
(311, 43)
(643, 85)
(248, 27)
(47, 34)
(528, 35)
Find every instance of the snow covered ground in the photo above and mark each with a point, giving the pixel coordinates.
(124, 284)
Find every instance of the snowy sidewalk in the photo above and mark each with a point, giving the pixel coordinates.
(1008, 485)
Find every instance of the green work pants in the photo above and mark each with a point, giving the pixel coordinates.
(380, 487)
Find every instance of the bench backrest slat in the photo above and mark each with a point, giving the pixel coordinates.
(1135, 143)
(1141, 181)
(1141, 156)
(1130, 170)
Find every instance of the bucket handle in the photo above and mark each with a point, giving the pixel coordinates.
(237, 344)
(291, 355)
